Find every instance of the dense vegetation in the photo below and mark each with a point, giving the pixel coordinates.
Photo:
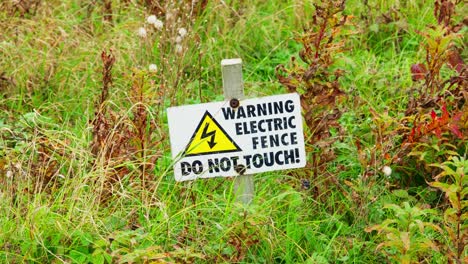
(85, 162)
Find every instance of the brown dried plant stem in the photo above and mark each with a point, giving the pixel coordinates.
(107, 10)
(318, 85)
(140, 124)
(100, 125)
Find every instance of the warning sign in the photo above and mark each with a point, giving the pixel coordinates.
(214, 139)
(210, 138)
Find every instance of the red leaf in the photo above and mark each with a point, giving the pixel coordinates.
(411, 135)
(445, 114)
(418, 72)
(457, 117)
(456, 131)
(454, 127)
(444, 108)
(438, 132)
(455, 61)
(433, 115)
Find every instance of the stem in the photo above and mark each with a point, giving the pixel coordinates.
(320, 38)
(460, 245)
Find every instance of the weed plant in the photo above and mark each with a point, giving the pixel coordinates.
(85, 167)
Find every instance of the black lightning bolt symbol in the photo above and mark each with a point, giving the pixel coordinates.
(211, 134)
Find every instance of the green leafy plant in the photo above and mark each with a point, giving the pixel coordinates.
(452, 181)
(435, 88)
(85, 166)
(436, 111)
(404, 236)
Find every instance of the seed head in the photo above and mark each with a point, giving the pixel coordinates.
(182, 32)
(141, 32)
(158, 24)
(169, 16)
(153, 68)
(151, 19)
(178, 39)
(178, 48)
(387, 171)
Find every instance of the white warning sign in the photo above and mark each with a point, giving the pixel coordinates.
(215, 139)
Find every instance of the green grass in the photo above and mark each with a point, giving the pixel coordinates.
(51, 74)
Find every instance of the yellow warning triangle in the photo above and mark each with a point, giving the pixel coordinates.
(210, 138)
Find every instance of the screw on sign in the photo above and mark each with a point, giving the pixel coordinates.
(237, 137)
(234, 103)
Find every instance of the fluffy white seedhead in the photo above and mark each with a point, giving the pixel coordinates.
(151, 19)
(182, 32)
(178, 49)
(142, 32)
(387, 171)
(158, 24)
(153, 68)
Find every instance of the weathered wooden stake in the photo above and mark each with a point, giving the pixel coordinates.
(233, 88)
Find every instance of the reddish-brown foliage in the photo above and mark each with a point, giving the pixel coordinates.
(317, 84)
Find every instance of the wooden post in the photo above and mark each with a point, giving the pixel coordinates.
(233, 88)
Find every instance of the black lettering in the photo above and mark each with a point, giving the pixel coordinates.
(274, 140)
(234, 161)
(255, 142)
(186, 168)
(197, 167)
(277, 158)
(251, 111)
(238, 129)
(260, 127)
(283, 139)
(240, 112)
(289, 156)
(290, 122)
(253, 127)
(261, 109)
(269, 121)
(278, 124)
(228, 113)
(213, 166)
(289, 105)
(225, 164)
(246, 130)
(257, 161)
(264, 142)
(264, 109)
(278, 107)
(247, 159)
(269, 159)
(294, 139)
